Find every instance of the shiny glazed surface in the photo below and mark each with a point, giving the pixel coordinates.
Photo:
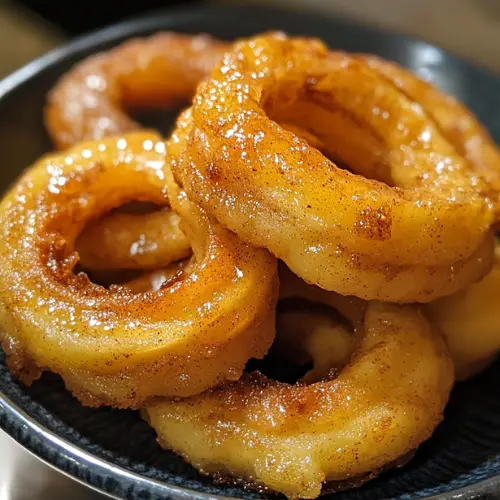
(411, 226)
(457, 124)
(292, 438)
(111, 346)
(92, 100)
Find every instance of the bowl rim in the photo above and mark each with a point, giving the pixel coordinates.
(55, 445)
(97, 465)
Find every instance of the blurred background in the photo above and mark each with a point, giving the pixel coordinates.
(470, 28)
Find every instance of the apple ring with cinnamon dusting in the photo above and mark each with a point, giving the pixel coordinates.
(413, 226)
(384, 403)
(92, 100)
(469, 320)
(113, 346)
(457, 123)
(139, 241)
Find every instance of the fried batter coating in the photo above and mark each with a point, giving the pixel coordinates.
(470, 321)
(457, 123)
(92, 100)
(113, 346)
(411, 225)
(384, 403)
(133, 241)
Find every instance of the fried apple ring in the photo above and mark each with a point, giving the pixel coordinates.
(133, 241)
(470, 322)
(293, 438)
(457, 123)
(112, 346)
(92, 99)
(418, 232)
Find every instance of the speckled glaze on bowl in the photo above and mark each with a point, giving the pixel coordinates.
(115, 451)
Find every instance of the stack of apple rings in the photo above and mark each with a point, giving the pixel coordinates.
(313, 207)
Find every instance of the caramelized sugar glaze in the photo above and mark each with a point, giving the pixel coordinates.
(410, 225)
(113, 346)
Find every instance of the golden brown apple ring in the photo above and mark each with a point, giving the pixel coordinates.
(92, 99)
(457, 123)
(133, 241)
(470, 321)
(113, 346)
(420, 240)
(403, 283)
(293, 438)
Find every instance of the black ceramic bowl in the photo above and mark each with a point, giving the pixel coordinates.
(115, 451)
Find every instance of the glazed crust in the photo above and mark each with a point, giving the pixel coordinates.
(93, 99)
(411, 225)
(113, 346)
(293, 438)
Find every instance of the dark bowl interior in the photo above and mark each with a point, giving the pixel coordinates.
(116, 451)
